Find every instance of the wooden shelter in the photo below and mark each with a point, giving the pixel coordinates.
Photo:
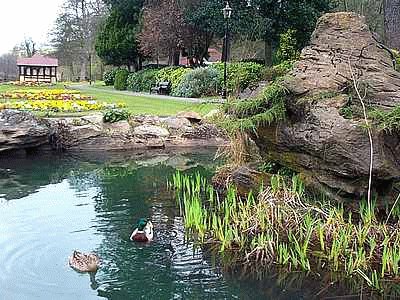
(38, 68)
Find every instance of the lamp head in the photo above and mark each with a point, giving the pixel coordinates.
(227, 11)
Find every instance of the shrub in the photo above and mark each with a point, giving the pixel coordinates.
(240, 75)
(121, 78)
(199, 82)
(396, 55)
(288, 49)
(247, 115)
(109, 77)
(115, 115)
(174, 75)
(143, 80)
(271, 73)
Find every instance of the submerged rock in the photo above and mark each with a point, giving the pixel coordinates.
(316, 140)
(21, 130)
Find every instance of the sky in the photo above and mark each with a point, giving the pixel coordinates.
(26, 18)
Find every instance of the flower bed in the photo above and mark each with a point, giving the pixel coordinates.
(62, 105)
(55, 94)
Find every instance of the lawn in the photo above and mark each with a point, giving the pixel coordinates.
(135, 104)
(146, 104)
(9, 87)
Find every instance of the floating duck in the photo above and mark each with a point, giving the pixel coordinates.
(82, 262)
(143, 231)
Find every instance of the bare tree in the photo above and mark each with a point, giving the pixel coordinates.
(74, 32)
(8, 67)
(30, 47)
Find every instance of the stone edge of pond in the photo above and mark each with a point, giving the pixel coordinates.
(21, 130)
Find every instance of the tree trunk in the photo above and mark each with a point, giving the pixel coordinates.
(392, 23)
(268, 52)
(140, 63)
(83, 73)
(177, 56)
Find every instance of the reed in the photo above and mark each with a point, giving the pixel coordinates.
(281, 226)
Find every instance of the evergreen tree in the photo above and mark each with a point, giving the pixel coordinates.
(117, 41)
(269, 17)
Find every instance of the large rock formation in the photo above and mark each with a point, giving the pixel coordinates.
(21, 130)
(316, 140)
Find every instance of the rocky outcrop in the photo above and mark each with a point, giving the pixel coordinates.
(20, 130)
(331, 151)
(139, 132)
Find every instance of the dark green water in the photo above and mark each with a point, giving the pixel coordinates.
(51, 205)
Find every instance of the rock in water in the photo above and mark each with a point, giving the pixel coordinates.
(21, 130)
(331, 151)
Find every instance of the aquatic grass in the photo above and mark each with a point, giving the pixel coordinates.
(280, 226)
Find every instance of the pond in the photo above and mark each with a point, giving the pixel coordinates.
(52, 204)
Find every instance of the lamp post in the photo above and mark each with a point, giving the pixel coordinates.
(90, 68)
(227, 11)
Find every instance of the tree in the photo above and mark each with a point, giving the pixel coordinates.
(75, 30)
(371, 9)
(117, 40)
(205, 22)
(392, 23)
(269, 17)
(299, 15)
(30, 47)
(163, 30)
(8, 67)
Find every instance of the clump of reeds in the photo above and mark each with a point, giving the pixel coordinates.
(280, 226)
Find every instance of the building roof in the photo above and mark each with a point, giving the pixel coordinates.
(38, 60)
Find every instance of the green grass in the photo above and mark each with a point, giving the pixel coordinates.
(9, 87)
(147, 105)
(136, 105)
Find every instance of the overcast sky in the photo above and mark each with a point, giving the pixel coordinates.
(26, 18)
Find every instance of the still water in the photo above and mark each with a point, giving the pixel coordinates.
(51, 205)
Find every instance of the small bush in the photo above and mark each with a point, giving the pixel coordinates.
(386, 120)
(121, 78)
(109, 77)
(396, 55)
(240, 75)
(288, 48)
(271, 73)
(174, 75)
(199, 82)
(253, 60)
(115, 115)
(143, 80)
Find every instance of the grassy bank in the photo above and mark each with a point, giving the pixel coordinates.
(146, 104)
(282, 227)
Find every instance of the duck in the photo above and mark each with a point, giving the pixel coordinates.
(143, 232)
(83, 262)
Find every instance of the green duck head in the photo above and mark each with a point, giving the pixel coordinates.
(141, 224)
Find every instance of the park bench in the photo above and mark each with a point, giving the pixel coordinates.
(161, 88)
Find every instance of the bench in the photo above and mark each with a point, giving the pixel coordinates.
(161, 88)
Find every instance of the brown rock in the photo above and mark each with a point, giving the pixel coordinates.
(193, 117)
(21, 130)
(331, 151)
